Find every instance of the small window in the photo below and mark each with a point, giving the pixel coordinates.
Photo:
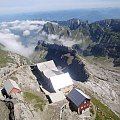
(82, 107)
(84, 101)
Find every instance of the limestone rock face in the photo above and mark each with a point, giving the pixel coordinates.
(24, 111)
(4, 111)
(104, 83)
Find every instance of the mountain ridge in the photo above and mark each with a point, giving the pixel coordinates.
(99, 38)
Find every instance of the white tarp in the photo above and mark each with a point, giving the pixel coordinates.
(48, 65)
(61, 81)
(56, 97)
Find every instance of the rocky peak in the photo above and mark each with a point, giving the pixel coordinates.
(74, 23)
(51, 28)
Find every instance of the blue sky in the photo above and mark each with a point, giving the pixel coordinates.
(18, 6)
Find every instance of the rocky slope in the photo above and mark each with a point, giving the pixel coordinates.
(31, 103)
(4, 113)
(24, 110)
(104, 83)
(18, 69)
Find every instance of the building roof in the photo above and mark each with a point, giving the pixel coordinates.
(48, 65)
(48, 68)
(49, 73)
(77, 96)
(61, 81)
(9, 85)
(56, 97)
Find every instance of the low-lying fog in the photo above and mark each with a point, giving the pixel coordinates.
(17, 36)
(22, 36)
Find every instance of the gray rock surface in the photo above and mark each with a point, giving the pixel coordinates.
(104, 83)
(26, 79)
(4, 112)
(27, 82)
(24, 111)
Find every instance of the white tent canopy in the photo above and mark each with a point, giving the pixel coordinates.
(56, 97)
(48, 65)
(61, 81)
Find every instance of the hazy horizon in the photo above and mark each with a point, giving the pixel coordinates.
(26, 6)
(55, 11)
(90, 14)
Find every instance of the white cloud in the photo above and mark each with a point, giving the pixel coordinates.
(63, 40)
(9, 35)
(43, 33)
(26, 33)
(5, 30)
(51, 37)
(12, 43)
(27, 25)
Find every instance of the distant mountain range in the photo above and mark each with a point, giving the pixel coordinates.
(84, 14)
(101, 38)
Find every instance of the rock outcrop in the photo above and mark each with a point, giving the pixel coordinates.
(66, 58)
(4, 111)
